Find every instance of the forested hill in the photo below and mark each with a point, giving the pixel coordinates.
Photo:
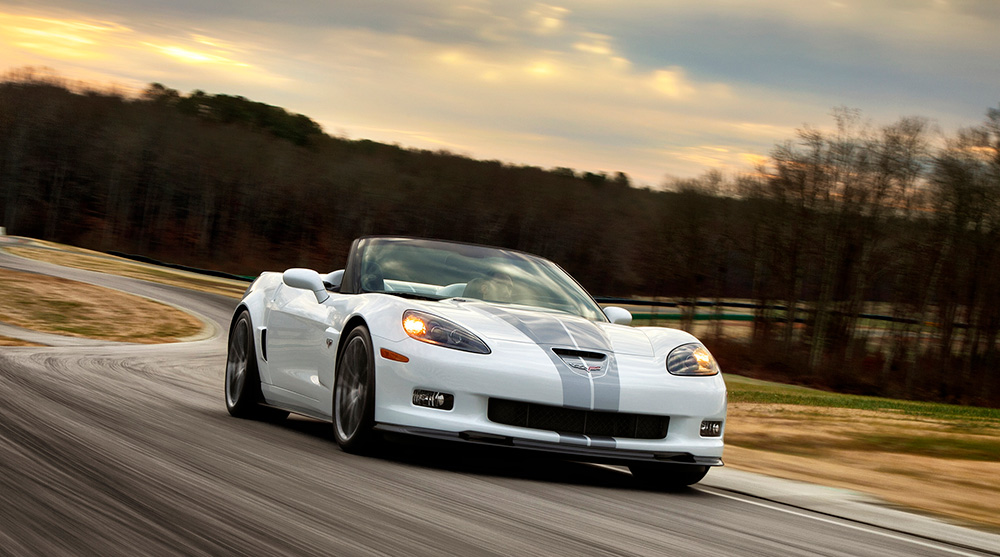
(222, 181)
(833, 222)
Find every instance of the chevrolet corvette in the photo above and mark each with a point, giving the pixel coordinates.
(476, 344)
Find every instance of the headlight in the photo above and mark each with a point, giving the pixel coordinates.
(437, 330)
(691, 359)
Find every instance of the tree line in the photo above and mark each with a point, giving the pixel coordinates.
(834, 226)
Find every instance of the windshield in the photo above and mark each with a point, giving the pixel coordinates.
(438, 270)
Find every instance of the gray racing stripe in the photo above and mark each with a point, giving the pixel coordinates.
(603, 442)
(574, 439)
(550, 331)
(586, 335)
(545, 329)
(546, 333)
(588, 440)
(607, 388)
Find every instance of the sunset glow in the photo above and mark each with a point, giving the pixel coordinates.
(68, 39)
(633, 87)
(195, 57)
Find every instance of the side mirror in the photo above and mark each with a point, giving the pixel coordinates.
(333, 280)
(620, 316)
(308, 280)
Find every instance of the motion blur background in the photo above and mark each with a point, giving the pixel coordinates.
(657, 150)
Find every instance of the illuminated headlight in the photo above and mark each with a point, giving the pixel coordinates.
(691, 359)
(437, 330)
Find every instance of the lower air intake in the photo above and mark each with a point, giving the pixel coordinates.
(579, 422)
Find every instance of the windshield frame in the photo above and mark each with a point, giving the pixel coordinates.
(538, 282)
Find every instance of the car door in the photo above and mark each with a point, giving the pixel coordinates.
(301, 350)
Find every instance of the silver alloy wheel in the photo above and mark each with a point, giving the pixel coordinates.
(352, 385)
(236, 363)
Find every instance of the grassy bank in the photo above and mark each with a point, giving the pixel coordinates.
(65, 307)
(938, 458)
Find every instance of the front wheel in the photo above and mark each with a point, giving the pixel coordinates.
(667, 476)
(243, 395)
(354, 393)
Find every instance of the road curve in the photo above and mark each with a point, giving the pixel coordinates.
(118, 449)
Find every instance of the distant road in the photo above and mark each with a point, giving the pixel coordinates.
(113, 449)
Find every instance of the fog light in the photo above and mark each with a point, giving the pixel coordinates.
(433, 399)
(711, 429)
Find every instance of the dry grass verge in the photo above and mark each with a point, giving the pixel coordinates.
(944, 460)
(7, 341)
(64, 307)
(95, 261)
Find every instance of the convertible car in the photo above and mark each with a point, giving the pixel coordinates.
(477, 344)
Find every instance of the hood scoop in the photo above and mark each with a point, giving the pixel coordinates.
(584, 362)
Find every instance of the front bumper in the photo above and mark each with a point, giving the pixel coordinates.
(522, 372)
(589, 453)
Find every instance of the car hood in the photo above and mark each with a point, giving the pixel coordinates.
(546, 328)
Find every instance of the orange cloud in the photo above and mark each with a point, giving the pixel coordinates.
(58, 38)
(195, 56)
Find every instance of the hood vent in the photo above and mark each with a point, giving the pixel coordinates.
(569, 353)
(583, 362)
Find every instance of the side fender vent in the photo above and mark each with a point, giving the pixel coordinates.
(263, 343)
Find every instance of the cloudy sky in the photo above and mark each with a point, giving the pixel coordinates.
(653, 88)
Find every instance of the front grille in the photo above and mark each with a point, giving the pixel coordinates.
(580, 422)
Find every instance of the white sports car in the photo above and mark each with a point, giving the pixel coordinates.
(476, 344)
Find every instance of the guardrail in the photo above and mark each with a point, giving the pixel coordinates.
(150, 260)
(604, 300)
(608, 300)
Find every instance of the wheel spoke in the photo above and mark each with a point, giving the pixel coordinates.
(349, 419)
(237, 365)
(238, 384)
(351, 388)
(240, 348)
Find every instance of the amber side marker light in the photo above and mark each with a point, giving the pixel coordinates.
(394, 356)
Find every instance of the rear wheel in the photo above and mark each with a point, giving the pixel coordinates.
(354, 393)
(243, 396)
(667, 476)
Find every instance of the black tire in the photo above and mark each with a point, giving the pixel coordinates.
(243, 395)
(354, 393)
(667, 476)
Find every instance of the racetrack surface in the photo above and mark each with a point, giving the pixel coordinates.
(119, 449)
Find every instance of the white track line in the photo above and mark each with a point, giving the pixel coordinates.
(845, 522)
(942, 546)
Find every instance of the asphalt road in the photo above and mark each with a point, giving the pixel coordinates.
(119, 449)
